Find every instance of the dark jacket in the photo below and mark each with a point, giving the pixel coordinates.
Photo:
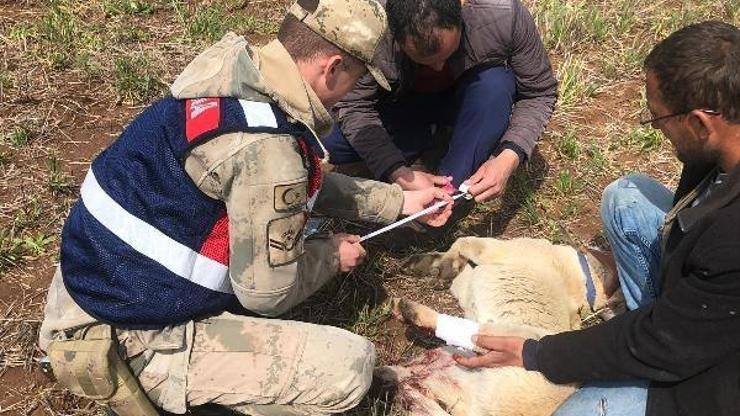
(495, 32)
(687, 343)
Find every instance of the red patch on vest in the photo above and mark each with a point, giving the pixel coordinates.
(202, 115)
(313, 165)
(216, 246)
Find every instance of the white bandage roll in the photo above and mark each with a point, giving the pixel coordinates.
(456, 331)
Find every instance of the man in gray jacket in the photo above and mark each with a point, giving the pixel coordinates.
(477, 66)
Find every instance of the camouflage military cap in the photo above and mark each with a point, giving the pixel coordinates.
(355, 26)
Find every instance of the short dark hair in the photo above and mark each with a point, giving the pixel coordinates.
(418, 19)
(698, 67)
(303, 44)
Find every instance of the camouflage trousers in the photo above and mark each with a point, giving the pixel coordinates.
(261, 366)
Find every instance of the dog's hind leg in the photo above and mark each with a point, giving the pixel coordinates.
(418, 404)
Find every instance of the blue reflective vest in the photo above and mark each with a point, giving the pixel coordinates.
(143, 247)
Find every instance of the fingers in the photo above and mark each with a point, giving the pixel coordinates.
(441, 194)
(478, 175)
(352, 238)
(440, 218)
(440, 180)
(361, 251)
(488, 193)
(502, 351)
(489, 359)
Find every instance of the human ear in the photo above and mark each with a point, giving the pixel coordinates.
(702, 125)
(332, 69)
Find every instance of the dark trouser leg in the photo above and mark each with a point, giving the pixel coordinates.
(485, 99)
(408, 121)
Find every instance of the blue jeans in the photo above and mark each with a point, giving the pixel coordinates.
(632, 211)
(478, 108)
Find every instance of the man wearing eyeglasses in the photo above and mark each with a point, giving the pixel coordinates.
(677, 351)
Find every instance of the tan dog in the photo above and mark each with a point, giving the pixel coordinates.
(522, 287)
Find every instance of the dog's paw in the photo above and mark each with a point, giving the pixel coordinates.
(436, 267)
(404, 310)
(413, 313)
(423, 265)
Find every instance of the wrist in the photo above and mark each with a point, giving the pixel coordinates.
(399, 173)
(510, 158)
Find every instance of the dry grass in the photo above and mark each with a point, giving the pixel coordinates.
(73, 72)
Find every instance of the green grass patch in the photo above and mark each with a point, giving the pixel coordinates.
(5, 158)
(566, 25)
(646, 138)
(573, 88)
(15, 250)
(369, 322)
(21, 240)
(21, 32)
(67, 37)
(21, 136)
(58, 181)
(568, 146)
(127, 7)
(209, 24)
(597, 160)
(565, 183)
(135, 81)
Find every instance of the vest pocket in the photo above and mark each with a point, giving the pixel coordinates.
(84, 367)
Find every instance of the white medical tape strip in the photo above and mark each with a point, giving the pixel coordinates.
(456, 331)
(258, 114)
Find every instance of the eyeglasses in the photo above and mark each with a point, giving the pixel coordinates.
(683, 113)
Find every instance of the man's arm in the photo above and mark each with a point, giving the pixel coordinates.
(351, 198)
(537, 88)
(272, 268)
(368, 200)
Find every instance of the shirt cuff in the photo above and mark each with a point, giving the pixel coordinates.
(516, 148)
(529, 355)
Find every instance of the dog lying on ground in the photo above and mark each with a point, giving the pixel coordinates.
(522, 287)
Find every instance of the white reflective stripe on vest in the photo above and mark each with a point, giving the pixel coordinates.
(258, 114)
(151, 242)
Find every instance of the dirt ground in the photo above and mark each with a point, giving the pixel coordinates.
(74, 73)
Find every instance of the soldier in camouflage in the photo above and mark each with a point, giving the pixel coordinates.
(253, 364)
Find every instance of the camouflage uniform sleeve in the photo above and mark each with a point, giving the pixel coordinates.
(272, 268)
(351, 198)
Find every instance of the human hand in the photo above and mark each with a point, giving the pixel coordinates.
(502, 352)
(491, 178)
(414, 180)
(415, 201)
(351, 253)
